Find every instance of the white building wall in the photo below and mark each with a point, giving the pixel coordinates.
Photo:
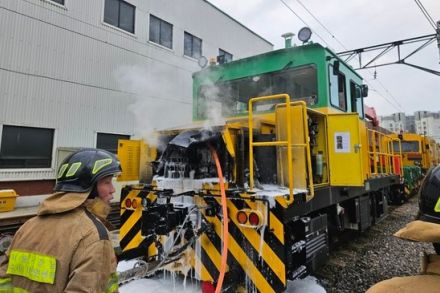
(62, 67)
(389, 123)
(432, 127)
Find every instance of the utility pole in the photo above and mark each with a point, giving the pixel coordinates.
(438, 38)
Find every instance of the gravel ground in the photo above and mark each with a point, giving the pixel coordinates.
(375, 255)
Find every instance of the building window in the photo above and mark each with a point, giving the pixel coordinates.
(223, 56)
(109, 142)
(161, 32)
(58, 1)
(120, 14)
(192, 46)
(26, 147)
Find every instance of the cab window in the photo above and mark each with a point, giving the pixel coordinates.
(407, 146)
(338, 94)
(231, 97)
(357, 104)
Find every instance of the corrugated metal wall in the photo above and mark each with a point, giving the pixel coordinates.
(63, 68)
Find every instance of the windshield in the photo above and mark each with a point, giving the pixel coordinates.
(407, 146)
(231, 97)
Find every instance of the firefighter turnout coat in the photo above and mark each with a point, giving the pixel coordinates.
(65, 248)
(429, 279)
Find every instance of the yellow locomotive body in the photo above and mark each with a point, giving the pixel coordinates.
(296, 171)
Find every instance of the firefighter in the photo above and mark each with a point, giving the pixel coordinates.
(425, 229)
(66, 247)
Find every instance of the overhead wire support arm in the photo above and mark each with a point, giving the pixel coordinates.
(387, 47)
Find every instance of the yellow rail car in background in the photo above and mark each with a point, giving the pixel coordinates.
(431, 154)
(419, 154)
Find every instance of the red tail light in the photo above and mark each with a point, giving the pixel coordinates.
(128, 203)
(254, 219)
(242, 217)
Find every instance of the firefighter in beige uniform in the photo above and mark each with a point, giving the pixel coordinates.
(66, 247)
(426, 229)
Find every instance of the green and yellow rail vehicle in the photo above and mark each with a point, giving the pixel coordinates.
(419, 154)
(291, 162)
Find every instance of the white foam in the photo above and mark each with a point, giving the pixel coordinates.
(271, 191)
(308, 284)
(170, 283)
(181, 185)
(159, 285)
(125, 265)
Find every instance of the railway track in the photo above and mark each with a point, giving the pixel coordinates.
(375, 255)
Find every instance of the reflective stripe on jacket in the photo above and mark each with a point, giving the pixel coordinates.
(60, 250)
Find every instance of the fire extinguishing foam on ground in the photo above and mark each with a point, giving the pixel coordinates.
(175, 284)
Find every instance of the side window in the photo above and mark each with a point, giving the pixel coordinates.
(357, 102)
(109, 141)
(120, 14)
(192, 46)
(161, 32)
(223, 56)
(338, 93)
(26, 147)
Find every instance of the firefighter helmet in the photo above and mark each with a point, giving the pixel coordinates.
(81, 170)
(429, 202)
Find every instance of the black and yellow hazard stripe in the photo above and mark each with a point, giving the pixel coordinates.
(210, 256)
(267, 260)
(260, 261)
(131, 221)
(201, 272)
(274, 233)
(209, 260)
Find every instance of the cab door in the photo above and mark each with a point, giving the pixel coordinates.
(345, 150)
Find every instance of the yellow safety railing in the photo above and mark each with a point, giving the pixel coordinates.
(382, 153)
(399, 155)
(287, 143)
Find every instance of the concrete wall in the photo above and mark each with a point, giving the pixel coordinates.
(62, 67)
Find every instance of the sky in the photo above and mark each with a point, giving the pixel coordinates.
(355, 24)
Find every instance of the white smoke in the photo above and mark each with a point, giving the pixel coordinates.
(158, 103)
(213, 107)
(221, 102)
(163, 98)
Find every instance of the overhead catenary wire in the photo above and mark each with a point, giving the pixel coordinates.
(426, 14)
(322, 25)
(398, 107)
(303, 21)
(389, 93)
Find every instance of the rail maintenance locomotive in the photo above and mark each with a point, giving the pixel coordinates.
(419, 154)
(247, 201)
